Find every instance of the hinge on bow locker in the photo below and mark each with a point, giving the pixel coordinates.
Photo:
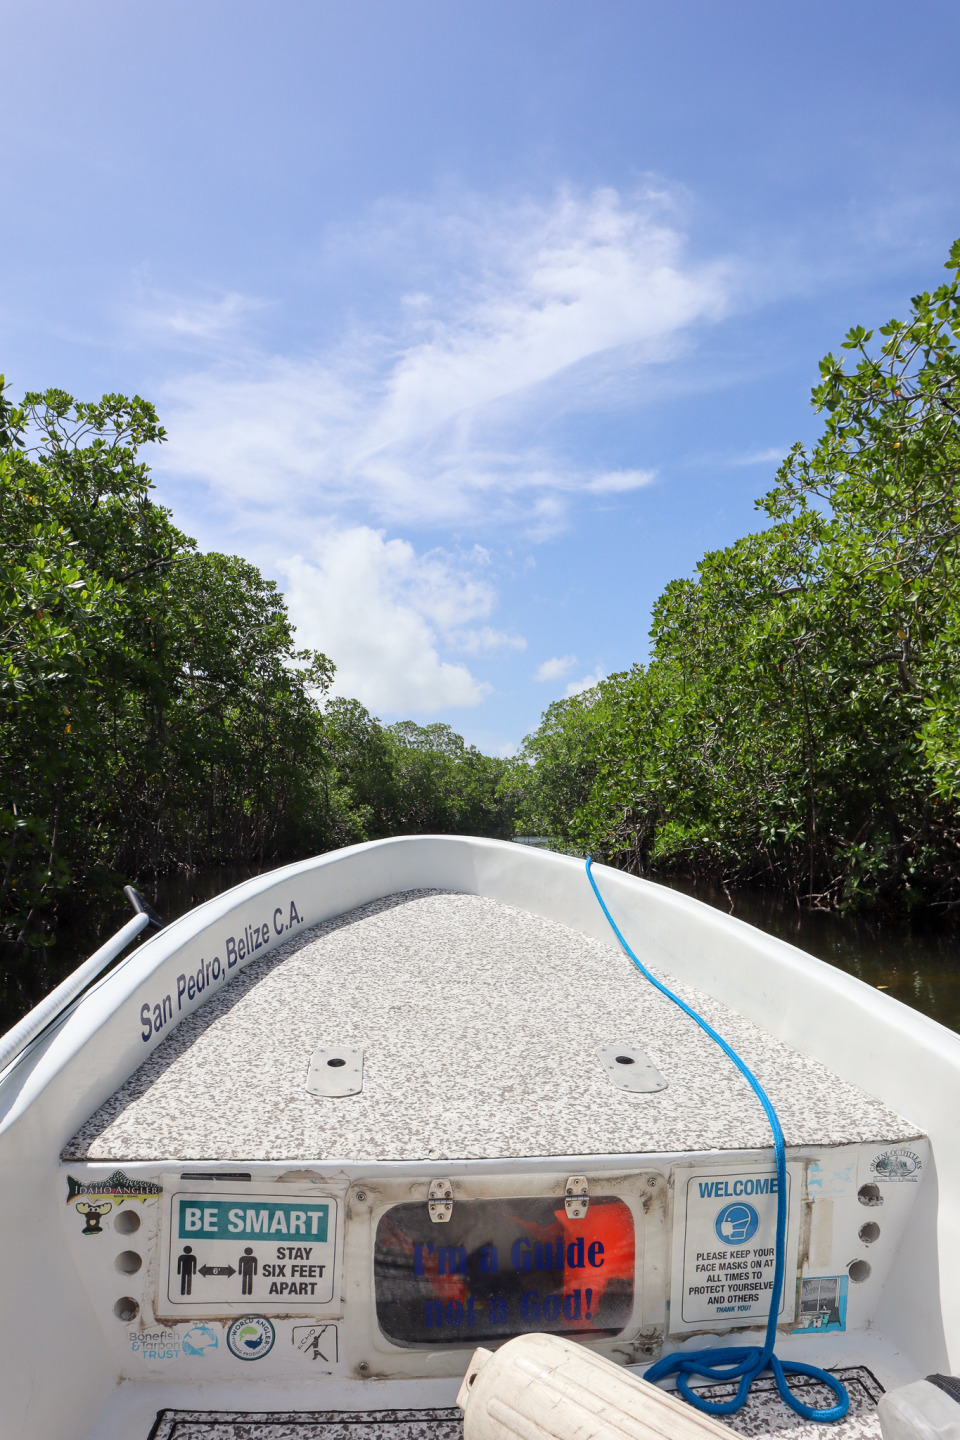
(576, 1197)
(440, 1201)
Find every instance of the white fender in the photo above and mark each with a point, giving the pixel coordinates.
(545, 1387)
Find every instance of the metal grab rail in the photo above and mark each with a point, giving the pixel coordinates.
(36, 1021)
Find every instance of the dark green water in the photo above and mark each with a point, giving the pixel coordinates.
(24, 983)
(917, 960)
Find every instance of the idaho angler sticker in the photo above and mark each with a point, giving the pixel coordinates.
(116, 1187)
(95, 1199)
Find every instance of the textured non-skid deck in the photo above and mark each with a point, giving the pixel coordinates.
(479, 1023)
(319, 1425)
(764, 1415)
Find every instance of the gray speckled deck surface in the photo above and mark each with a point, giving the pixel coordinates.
(765, 1414)
(479, 1023)
(321, 1425)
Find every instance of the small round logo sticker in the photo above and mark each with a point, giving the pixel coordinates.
(737, 1223)
(251, 1338)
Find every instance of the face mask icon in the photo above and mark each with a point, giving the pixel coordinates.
(736, 1224)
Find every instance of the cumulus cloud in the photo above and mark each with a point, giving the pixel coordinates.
(443, 402)
(556, 668)
(383, 613)
(577, 687)
(427, 417)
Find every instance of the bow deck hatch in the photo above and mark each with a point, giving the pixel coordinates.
(479, 1025)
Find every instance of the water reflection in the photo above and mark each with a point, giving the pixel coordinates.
(24, 982)
(913, 960)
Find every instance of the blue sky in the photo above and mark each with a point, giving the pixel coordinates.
(471, 324)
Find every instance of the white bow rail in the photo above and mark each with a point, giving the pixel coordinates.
(13, 1044)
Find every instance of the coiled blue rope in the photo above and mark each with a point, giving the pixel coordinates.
(744, 1362)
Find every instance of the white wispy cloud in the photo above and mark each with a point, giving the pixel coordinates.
(427, 419)
(177, 318)
(771, 456)
(555, 668)
(444, 408)
(617, 482)
(483, 640)
(384, 613)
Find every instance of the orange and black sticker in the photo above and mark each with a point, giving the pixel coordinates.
(500, 1268)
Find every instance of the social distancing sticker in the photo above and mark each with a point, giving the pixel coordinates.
(255, 1251)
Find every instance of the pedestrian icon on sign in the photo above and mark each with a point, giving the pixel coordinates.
(186, 1269)
(247, 1265)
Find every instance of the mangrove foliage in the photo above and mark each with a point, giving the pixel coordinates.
(155, 712)
(798, 722)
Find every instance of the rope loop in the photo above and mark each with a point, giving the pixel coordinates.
(742, 1363)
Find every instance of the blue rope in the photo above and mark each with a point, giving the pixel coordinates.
(744, 1362)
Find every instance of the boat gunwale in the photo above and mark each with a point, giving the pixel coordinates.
(56, 1051)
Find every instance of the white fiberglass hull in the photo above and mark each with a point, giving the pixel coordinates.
(76, 1362)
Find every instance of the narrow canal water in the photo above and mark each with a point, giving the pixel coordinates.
(916, 960)
(25, 980)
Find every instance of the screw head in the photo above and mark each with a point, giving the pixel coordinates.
(361, 1195)
(363, 1367)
